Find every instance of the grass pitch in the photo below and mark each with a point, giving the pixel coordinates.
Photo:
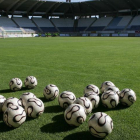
(71, 64)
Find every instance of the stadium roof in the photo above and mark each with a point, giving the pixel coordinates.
(50, 8)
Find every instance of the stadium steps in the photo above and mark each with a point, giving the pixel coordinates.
(128, 23)
(37, 26)
(54, 26)
(108, 24)
(90, 25)
(18, 26)
(2, 29)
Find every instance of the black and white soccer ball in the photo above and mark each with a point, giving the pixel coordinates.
(51, 92)
(105, 85)
(34, 107)
(92, 88)
(100, 125)
(75, 115)
(11, 101)
(110, 99)
(66, 98)
(30, 82)
(25, 96)
(85, 102)
(14, 116)
(127, 97)
(112, 88)
(2, 100)
(15, 84)
(94, 98)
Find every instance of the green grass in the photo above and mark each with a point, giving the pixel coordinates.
(71, 64)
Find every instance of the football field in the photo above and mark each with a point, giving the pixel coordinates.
(71, 63)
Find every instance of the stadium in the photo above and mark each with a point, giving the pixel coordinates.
(86, 18)
(54, 53)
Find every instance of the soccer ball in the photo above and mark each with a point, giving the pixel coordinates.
(15, 84)
(34, 107)
(100, 125)
(127, 97)
(112, 88)
(85, 102)
(66, 98)
(92, 88)
(110, 99)
(2, 100)
(75, 115)
(105, 85)
(11, 101)
(14, 116)
(51, 92)
(25, 96)
(94, 98)
(30, 82)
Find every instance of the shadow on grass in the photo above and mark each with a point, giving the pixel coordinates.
(53, 109)
(10, 91)
(43, 99)
(59, 125)
(84, 135)
(4, 127)
(102, 108)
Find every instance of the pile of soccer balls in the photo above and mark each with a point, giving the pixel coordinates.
(16, 110)
(76, 109)
(100, 124)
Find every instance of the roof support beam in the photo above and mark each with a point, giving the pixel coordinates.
(29, 9)
(14, 3)
(18, 5)
(109, 3)
(37, 7)
(50, 8)
(94, 7)
(89, 6)
(56, 8)
(128, 4)
(1, 1)
(134, 4)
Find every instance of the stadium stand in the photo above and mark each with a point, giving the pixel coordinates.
(8, 25)
(84, 23)
(26, 24)
(64, 25)
(100, 24)
(135, 24)
(44, 24)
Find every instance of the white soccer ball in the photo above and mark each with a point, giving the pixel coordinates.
(2, 100)
(85, 102)
(15, 84)
(30, 82)
(66, 98)
(100, 125)
(75, 115)
(34, 107)
(25, 96)
(106, 84)
(127, 97)
(92, 88)
(112, 88)
(94, 98)
(51, 92)
(11, 101)
(14, 116)
(110, 99)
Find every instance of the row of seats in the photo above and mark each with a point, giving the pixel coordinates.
(70, 25)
